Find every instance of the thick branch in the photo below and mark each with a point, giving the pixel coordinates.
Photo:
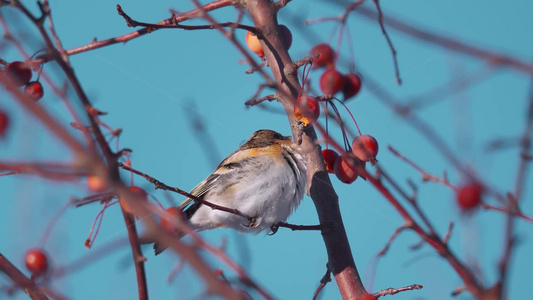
(264, 16)
(25, 284)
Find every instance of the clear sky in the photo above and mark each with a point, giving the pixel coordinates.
(156, 86)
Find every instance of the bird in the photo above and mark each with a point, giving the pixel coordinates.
(263, 179)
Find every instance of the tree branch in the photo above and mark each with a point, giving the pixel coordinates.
(23, 282)
(264, 16)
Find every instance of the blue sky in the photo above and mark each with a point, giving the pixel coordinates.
(152, 87)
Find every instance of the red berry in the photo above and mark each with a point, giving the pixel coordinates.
(175, 212)
(19, 73)
(345, 169)
(34, 89)
(365, 147)
(252, 41)
(469, 196)
(352, 85)
(326, 58)
(36, 261)
(330, 156)
(310, 111)
(97, 184)
(286, 36)
(4, 123)
(137, 190)
(331, 82)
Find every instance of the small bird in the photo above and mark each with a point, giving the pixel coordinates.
(264, 179)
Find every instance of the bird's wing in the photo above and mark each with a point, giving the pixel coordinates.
(201, 189)
(233, 162)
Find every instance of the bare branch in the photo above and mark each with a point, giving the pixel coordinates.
(393, 291)
(451, 44)
(25, 284)
(389, 41)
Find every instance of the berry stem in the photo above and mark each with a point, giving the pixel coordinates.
(351, 115)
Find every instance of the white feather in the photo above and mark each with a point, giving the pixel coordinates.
(267, 190)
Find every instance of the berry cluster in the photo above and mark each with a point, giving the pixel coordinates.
(20, 75)
(364, 147)
(332, 81)
(307, 109)
(346, 167)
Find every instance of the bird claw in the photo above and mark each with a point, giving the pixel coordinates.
(253, 222)
(274, 228)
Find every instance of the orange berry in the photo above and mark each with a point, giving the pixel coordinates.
(310, 111)
(97, 184)
(136, 190)
(34, 89)
(252, 41)
(330, 156)
(175, 212)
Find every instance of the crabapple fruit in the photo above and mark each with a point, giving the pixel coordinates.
(19, 73)
(96, 184)
(36, 261)
(286, 36)
(365, 147)
(331, 82)
(352, 85)
(175, 212)
(326, 56)
(4, 123)
(137, 190)
(310, 110)
(469, 196)
(330, 156)
(252, 41)
(345, 169)
(34, 89)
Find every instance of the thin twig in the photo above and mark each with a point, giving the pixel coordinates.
(253, 102)
(425, 175)
(389, 41)
(174, 25)
(391, 239)
(325, 279)
(393, 291)
(421, 33)
(514, 212)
